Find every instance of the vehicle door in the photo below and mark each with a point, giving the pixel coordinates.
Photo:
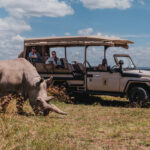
(103, 81)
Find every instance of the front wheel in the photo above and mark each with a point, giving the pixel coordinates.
(138, 95)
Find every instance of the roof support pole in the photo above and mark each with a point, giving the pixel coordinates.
(85, 60)
(43, 53)
(49, 52)
(105, 49)
(65, 52)
(25, 52)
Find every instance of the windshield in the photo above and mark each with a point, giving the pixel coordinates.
(127, 62)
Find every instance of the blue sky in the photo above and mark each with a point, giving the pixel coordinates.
(127, 19)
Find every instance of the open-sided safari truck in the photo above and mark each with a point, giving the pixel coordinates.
(123, 79)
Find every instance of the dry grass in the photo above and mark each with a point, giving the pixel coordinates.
(106, 123)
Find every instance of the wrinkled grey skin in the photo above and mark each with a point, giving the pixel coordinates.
(18, 76)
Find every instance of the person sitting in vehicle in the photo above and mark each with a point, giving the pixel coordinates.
(103, 66)
(54, 59)
(35, 56)
(46, 56)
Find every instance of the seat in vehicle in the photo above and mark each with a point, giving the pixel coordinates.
(81, 67)
(78, 71)
(64, 62)
(66, 65)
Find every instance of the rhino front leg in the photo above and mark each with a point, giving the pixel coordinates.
(37, 107)
(52, 107)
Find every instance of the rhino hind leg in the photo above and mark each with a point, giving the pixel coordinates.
(19, 104)
(4, 102)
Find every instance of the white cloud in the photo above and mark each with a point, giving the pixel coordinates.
(9, 24)
(102, 4)
(136, 36)
(90, 31)
(140, 55)
(148, 43)
(141, 2)
(17, 38)
(12, 26)
(67, 34)
(11, 42)
(37, 8)
(86, 31)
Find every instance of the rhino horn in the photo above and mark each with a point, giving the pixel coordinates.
(56, 109)
(52, 107)
(47, 99)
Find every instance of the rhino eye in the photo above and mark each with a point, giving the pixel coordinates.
(38, 83)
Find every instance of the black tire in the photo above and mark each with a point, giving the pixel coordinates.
(138, 95)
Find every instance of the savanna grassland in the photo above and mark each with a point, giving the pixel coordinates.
(104, 123)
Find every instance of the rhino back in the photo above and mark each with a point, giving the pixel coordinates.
(15, 73)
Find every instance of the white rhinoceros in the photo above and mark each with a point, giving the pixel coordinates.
(19, 76)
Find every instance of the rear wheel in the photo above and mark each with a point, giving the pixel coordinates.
(138, 95)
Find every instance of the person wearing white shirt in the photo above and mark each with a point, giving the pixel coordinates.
(54, 59)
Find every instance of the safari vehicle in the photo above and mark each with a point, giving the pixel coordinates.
(123, 79)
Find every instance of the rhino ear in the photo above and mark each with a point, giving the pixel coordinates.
(49, 81)
(38, 83)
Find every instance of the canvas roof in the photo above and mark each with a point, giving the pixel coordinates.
(78, 41)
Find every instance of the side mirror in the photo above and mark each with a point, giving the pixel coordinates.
(121, 62)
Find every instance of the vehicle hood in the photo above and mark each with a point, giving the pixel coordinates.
(142, 73)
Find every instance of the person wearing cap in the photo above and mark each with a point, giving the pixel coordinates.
(54, 59)
(35, 56)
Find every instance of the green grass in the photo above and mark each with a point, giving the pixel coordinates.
(107, 123)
